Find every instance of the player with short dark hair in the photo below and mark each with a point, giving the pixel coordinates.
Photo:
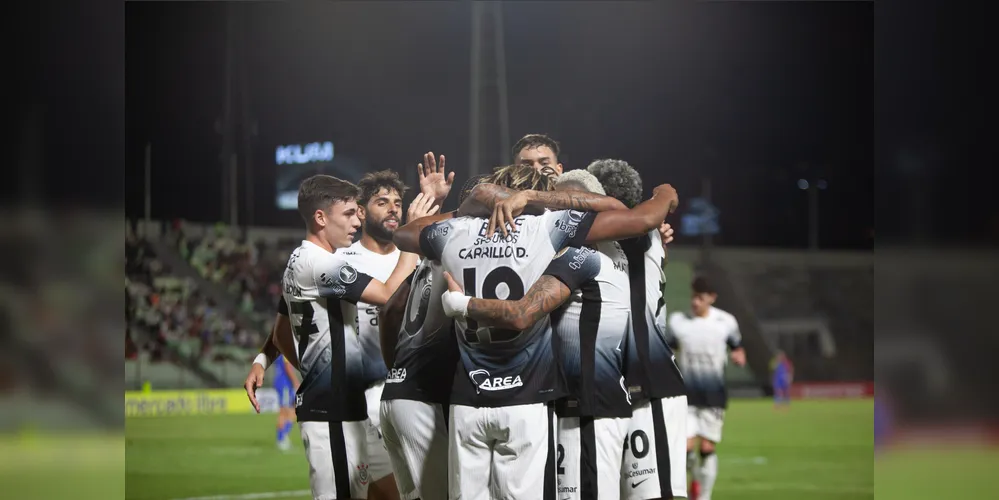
(653, 465)
(321, 290)
(500, 414)
(704, 336)
(539, 152)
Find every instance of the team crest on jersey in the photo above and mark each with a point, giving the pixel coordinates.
(576, 216)
(348, 275)
(486, 382)
(362, 473)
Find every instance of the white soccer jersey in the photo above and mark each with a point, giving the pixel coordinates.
(379, 267)
(652, 372)
(593, 329)
(503, 367)
(321, 289)
(703, 352)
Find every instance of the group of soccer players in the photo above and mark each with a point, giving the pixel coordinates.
(517, 348)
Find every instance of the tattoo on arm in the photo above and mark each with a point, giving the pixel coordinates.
(546, 295)
(568, 200)
(483, 199)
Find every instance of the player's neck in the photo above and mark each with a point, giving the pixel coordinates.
(707, 311)
(373, 245)
(318, 241)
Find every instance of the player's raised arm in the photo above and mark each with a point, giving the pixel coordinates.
(502, 205)
(646, 216)
(390, 321)
(567, 272)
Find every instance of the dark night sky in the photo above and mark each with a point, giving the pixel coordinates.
(741, 92)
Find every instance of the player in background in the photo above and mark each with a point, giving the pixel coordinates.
(500, 415)
(539, 152)
(321, 290)
(706, 337)
(592, 330)
(653, 465)
(285, 383)
(380, 211)
(782, 376)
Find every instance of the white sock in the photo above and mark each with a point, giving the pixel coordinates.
(708, 473)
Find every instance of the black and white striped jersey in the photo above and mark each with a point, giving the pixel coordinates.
(321, 290)
(652, 370)
(504, 367)
(593, 329)
(426, 353)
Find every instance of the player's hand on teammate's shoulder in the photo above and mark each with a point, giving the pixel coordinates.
(454, 300)
(421, 206)
(434, 182)
(253, 382)
(669, 192)
(505, 211)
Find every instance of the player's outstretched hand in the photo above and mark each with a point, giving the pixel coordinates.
(253, 382)
(433, 180)
(421, 206)
(454, 300)
(505, 211)
(669, 192)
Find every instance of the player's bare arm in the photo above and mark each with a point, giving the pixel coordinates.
(284, 339)
(390, 322)
(646, 216)
(289, 369)
(270, 352)
(546, 295)
(738, 356)
(502, 204)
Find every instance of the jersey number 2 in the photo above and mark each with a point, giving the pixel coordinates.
(489, 284)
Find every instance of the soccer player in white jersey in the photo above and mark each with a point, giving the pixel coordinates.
(592, 329)
(321, 289)
(500, 417)
(706, 337)
(654, 460)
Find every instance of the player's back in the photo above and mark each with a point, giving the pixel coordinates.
(703, 353)
(380, 267)
(593, 329)
(320, 289)
(504, 367)
(426, 352)
(652, 371)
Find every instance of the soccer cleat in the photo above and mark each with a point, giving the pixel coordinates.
(695, 490)
(284, 444)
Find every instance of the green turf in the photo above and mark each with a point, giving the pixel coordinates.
(820, 449)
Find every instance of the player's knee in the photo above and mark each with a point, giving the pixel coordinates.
(707, 448)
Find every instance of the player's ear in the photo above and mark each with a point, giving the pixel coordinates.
(558, 168)
(361, 212)
(319, 218)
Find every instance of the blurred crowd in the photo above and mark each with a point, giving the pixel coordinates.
(166, 309)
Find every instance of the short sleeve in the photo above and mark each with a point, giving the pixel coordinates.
(575, 266)
(282, 307)
(568, 228)
(336, 278)
(734, 338)
(434, 238)
(670, 330)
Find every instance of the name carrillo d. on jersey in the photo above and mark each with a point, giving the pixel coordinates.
(486, 382)
(395, 376)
